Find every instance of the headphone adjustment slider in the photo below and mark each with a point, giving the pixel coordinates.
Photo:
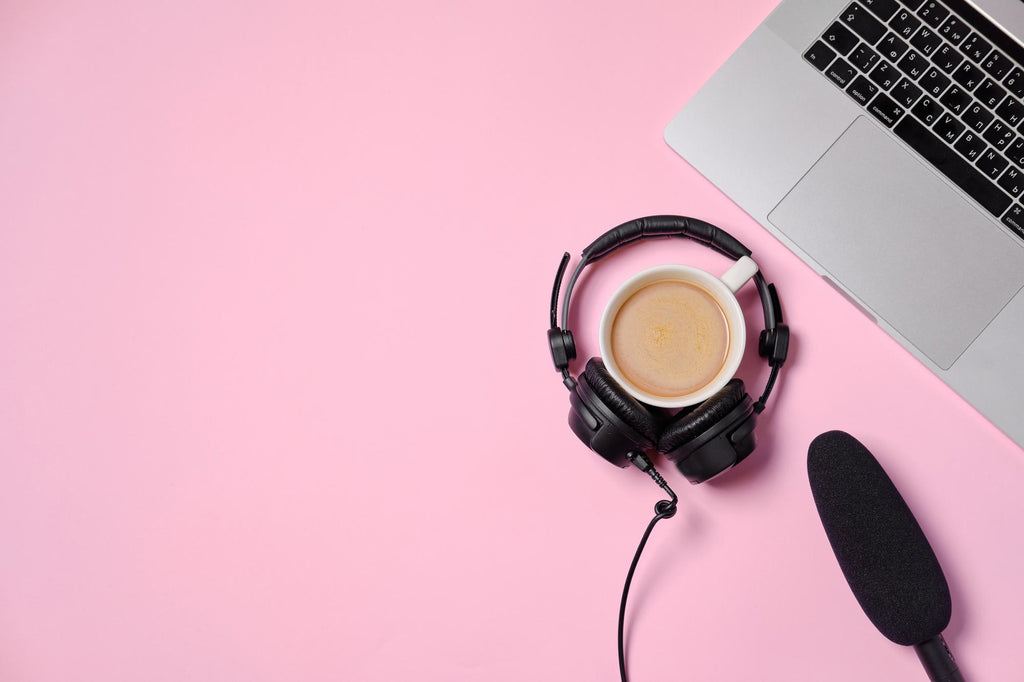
(563, 347)
(773, 344)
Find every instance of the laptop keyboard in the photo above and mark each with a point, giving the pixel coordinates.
(946, 81)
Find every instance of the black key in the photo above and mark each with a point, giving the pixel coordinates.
(1015, 82)
(913, 64)
(820, 55)
(1015, 152)
(947, 59)
(977, 117)
(1010, 140)
(952, 165)
(839, 38)
(955, 99)
(934, 82)
(904, 23)
(998, 135)
(928, 110)
(989, 94)
(891, 47)
(975, 47)
(862, 90)
(863, 23)
(905, 93)
(968, 75)
(841, 72)
(1011, 111)
(996, 64)
(953, 30)
(971, 146)
(949, 128)
(1014, 219)
(926, 40)
(991, 164)
(913, 4)
(863, 57)
(882, 8)
(1012, 180)
(932, 13)
(885, 110)
(885, 75)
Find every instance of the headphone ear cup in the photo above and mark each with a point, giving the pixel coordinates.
(627, 408)
(686, 426)
(712, 437)
(608, 420)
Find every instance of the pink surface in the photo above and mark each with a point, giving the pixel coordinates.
(276, 401)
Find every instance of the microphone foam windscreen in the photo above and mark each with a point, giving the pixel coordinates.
(884, 555)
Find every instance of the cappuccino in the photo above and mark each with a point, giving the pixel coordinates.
(670, 338)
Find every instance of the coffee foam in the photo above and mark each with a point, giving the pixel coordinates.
(670, 338)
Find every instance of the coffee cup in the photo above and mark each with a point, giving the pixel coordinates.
(673, 335)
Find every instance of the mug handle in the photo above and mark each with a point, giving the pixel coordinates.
(739, 274)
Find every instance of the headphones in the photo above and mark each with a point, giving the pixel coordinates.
(702, 440)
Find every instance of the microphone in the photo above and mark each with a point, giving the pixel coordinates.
(881, 549)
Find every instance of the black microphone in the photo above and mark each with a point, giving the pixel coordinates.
(881, 549)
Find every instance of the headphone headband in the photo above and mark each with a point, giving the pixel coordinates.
(774, 339)
(665, 226)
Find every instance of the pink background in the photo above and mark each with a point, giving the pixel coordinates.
(276, 402)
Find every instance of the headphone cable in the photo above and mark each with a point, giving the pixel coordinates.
(664, 509)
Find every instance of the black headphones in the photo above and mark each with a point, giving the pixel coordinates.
(703, 440)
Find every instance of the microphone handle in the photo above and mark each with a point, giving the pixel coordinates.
(938, 660)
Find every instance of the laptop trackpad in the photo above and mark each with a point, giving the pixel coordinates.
(920, 256)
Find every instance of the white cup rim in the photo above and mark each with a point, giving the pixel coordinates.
(722, 294)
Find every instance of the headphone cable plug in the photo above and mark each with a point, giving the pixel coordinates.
(666, 509)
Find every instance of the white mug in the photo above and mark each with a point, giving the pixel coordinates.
(722, 290)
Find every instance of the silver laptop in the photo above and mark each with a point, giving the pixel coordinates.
(883, 142)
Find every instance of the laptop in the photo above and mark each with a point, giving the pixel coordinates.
(882, 141)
